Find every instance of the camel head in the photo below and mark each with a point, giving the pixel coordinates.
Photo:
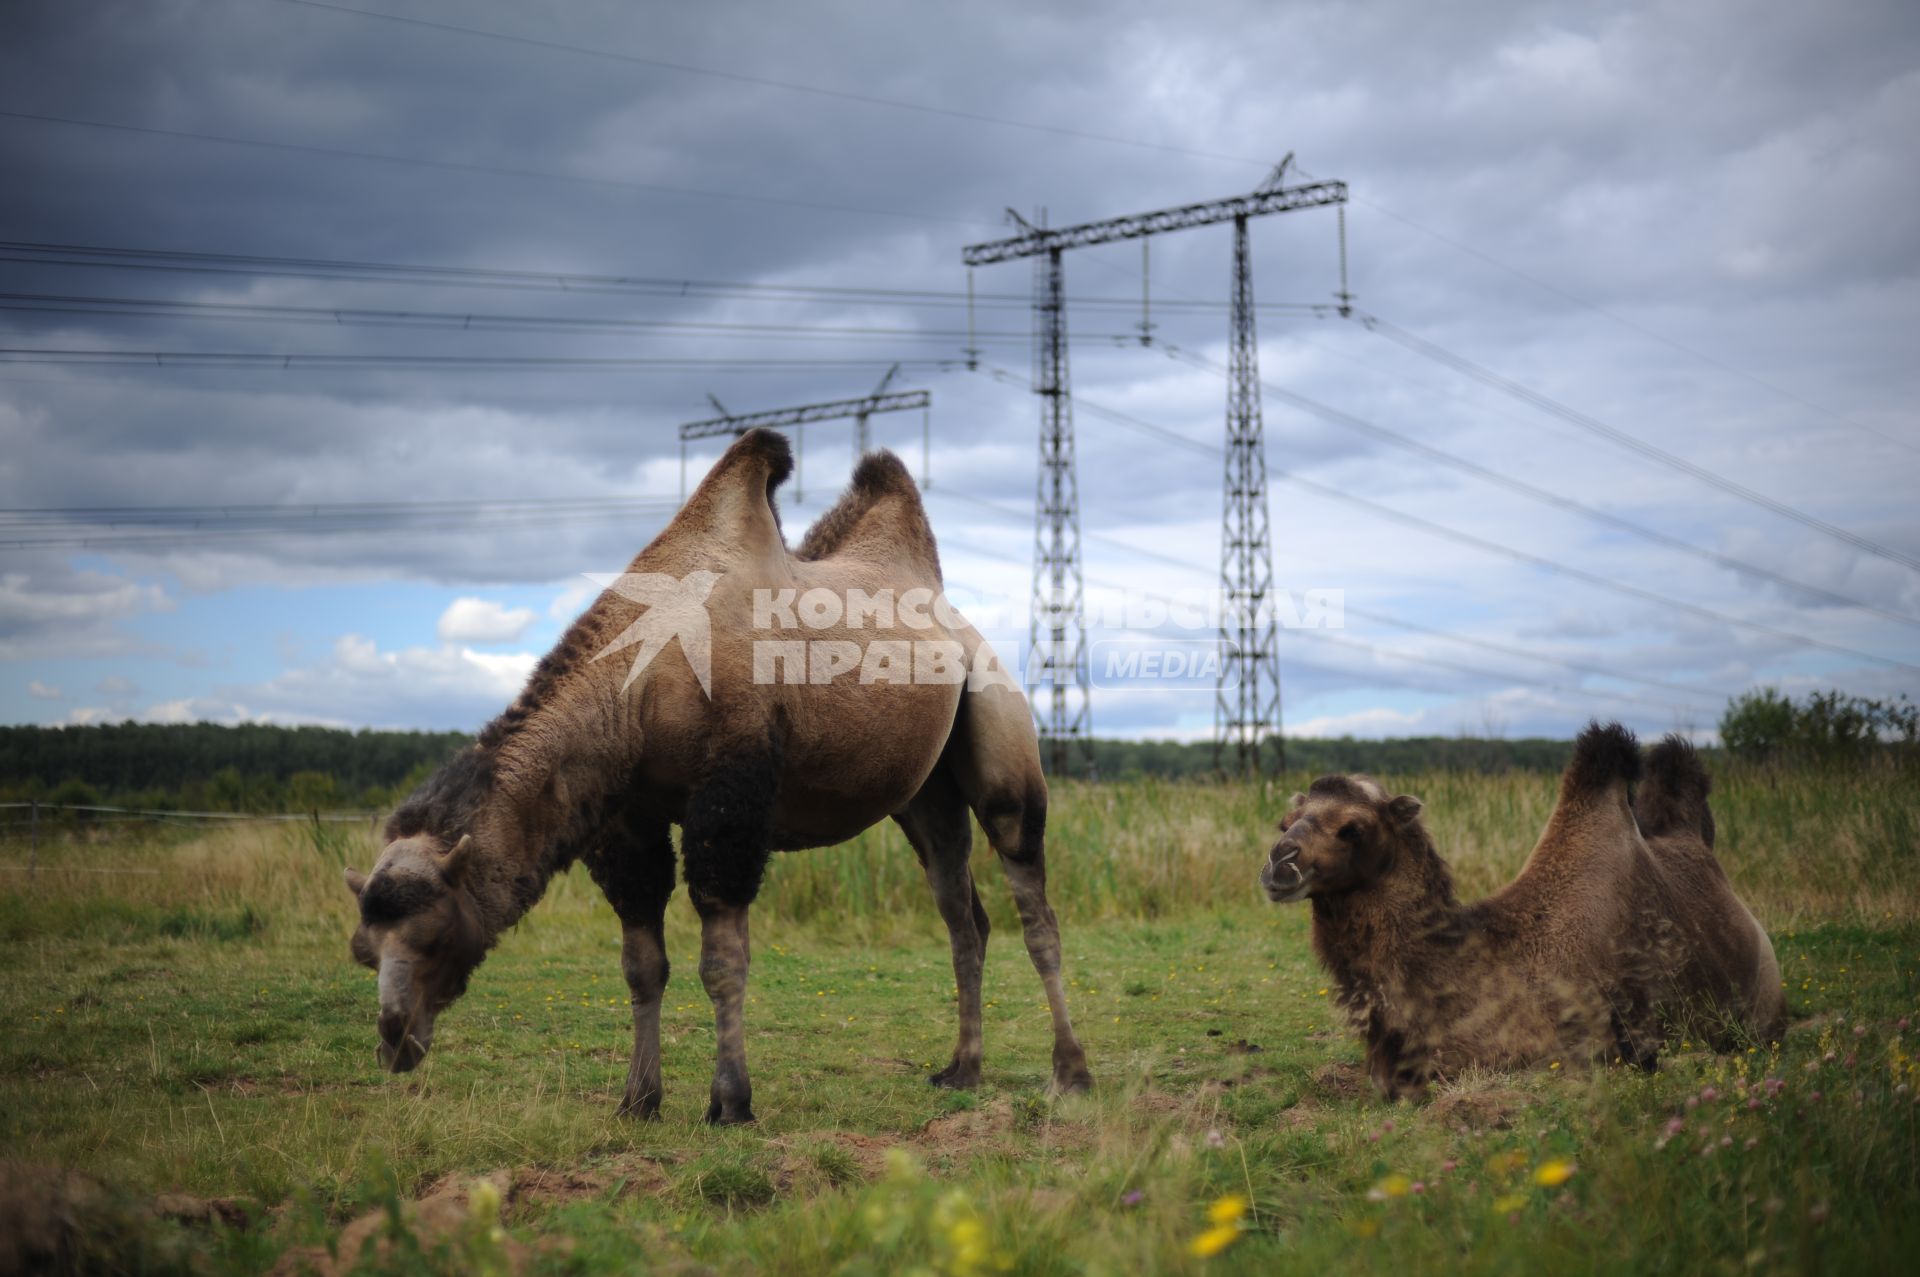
(1341, 835)
(420, 929)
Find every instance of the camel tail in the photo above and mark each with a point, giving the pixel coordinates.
(1602, 757)
(1673, 798)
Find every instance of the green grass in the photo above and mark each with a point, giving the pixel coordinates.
(200, 1030)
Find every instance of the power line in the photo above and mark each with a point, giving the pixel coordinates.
(1489, 259)
(1494, 547)
(520, 279)
(1382, 617)
(496, 363)
(304, 510)
(1336, 417)
(1543, 495)
(1058, 130)
(1580, 574)
(473, 321)
(1326, 635)
(1632, 443)
(492, 170)
(183, 535)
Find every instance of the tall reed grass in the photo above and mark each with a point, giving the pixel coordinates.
(1796, 843)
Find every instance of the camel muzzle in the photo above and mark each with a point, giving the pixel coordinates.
(401, 1048)
(1281, 877)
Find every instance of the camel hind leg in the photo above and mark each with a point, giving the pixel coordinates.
(996, 763)
(937, 826)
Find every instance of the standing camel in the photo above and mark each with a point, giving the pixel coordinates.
(822, 691)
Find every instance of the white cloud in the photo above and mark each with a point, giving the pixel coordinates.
(68, 613)
(469, 620)
(362, 685)
(41, 692)
(1366, 722)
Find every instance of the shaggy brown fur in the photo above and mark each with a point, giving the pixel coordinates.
(584, 767)
(1620, 921)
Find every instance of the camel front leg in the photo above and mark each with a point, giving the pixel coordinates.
(634, 869)
(724, 844)
(724, 956)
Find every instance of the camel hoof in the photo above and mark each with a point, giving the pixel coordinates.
(1075, 1081)
(721, 1115)
(957, 1077)
(644, 1109)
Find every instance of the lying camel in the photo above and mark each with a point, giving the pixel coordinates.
(822, 691)
(1620, 921)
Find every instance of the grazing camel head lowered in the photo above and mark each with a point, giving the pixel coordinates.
(763, 700)
(1621, 921)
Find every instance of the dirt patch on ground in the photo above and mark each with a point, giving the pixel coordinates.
(440, 1215)
(1306, 1115)
(1339, 1081)
(1477, 1109)
(446, 1211)
(1158, 1103)
(968, 1127)
(868, 1153)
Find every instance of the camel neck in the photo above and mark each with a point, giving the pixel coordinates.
(1392, 932)
(529, 807)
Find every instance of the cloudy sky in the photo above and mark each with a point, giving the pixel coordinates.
(1688, 224)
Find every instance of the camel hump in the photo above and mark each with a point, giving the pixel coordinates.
(771, 447)
(882, 504)
(1673, 797)
(732, 511)
(1603, 755)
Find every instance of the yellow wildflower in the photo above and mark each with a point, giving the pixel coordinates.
(1395, 1185)
(1506, 1163)
(1508, 1204)
(1554, 1173)
(1213, 1241)
(1228, 1209)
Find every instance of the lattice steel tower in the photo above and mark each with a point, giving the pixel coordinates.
(1246, 703)
(1057, 630)
(1246, 711)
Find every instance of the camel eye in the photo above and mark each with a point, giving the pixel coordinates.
(1348, 832)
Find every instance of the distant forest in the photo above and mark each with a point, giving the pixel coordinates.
(259, 768)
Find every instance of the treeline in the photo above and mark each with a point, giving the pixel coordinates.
(1120, 759)
(261, 768)
(206, 767)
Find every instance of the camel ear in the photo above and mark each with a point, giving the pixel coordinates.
(1405, 809)
(356, 881)
(457, 858)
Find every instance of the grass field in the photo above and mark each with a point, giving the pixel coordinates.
(197, 1032)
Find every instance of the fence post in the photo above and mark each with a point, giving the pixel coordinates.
(33, 844)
